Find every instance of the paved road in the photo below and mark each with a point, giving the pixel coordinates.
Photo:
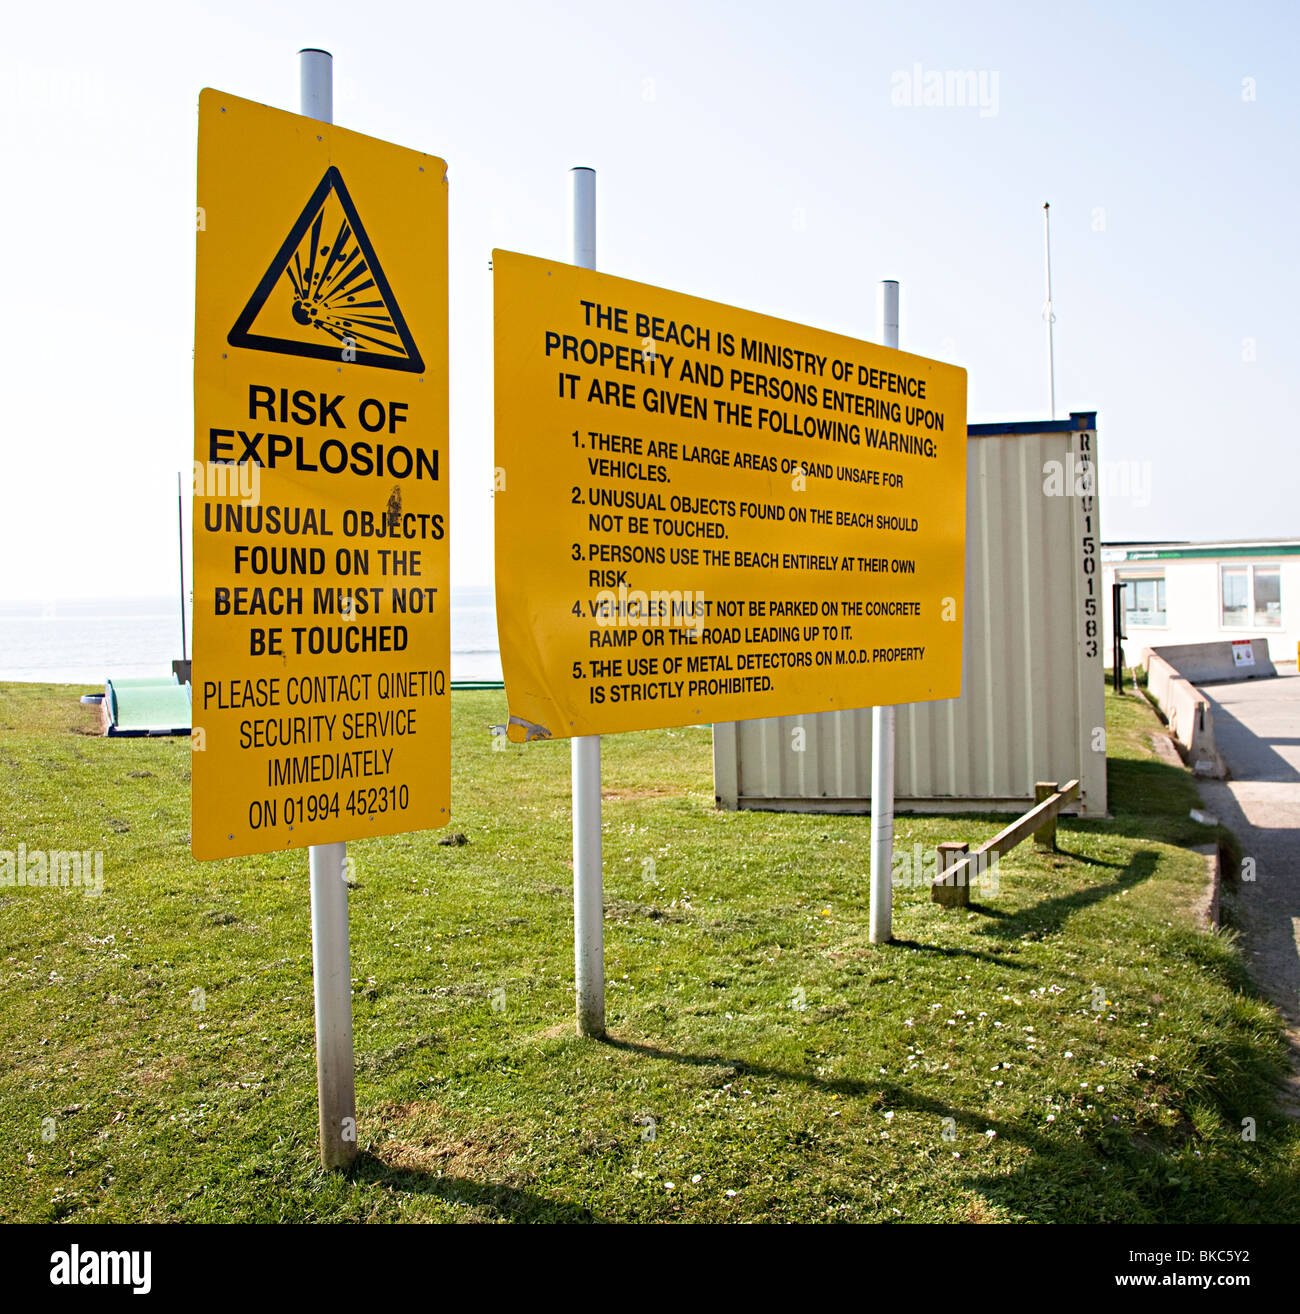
(1257, 729)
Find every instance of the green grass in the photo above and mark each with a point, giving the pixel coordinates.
(923, 1080)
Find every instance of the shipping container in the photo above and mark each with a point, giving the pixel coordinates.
(1032, 703)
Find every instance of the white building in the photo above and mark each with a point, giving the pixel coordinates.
(1203, 592)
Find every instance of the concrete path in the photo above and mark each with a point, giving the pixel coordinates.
(1257, 729)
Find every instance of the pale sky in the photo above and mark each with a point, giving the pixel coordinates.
(748, 153)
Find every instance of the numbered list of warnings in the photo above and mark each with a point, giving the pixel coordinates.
(706, 514)
(321, 710)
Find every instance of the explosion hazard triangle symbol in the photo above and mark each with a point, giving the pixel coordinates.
(325, 294)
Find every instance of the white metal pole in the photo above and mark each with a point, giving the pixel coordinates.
(1048, 313)
(331, 966)
(588, 877)
(331, 960)
(881, 918)
(180, 543)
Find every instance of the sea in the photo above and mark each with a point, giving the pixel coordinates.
(87, 640)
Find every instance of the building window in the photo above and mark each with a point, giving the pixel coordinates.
(1144, 602)
(1268, 596)
(1250, 597)
(1235, 583)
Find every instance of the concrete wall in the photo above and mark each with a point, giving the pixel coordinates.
(1206, 663)
(1188, 711)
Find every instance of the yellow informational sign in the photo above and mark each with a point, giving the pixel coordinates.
(321, 710)
(706, 514)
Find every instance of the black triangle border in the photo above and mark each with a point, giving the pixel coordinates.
(239, 335)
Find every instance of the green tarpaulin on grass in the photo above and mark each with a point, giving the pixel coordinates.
(147, 706)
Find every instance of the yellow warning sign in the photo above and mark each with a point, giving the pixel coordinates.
(706, 514)
(321, 710)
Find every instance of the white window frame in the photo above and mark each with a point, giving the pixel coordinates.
(1155, 577)
(1277, 570)
(1249, 568)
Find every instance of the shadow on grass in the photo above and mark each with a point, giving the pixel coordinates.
(1088, 861)
(885, 1093)
(506, 1202)
(956, 951)
(1134, 1175)
(1151, 800)
(988, 910)
(1051, 914)
(1134, 1180)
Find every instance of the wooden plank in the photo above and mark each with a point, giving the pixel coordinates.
(1045, 835)
(942, 889)
(1005, 840)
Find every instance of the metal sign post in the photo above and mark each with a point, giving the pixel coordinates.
(331, 959)
(1117, 633)
(588, 877)
(329, 340)
(180, 544)
(881, 916)
(1048, 314)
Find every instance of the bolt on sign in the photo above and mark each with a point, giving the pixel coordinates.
(706, 514)
(321, 642)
